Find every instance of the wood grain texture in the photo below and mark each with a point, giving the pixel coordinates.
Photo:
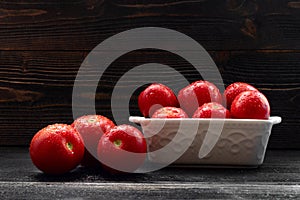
(81, 25)
(148, 191)
(43, 44)
(277, 178)
(36, 87)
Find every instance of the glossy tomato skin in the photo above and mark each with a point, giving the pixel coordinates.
(91, 128)
(56, 149)
(169, 112)
(250, 105)
(235, 89)
(196, 94)
(154, 97)
(212, 110)
(115, 149)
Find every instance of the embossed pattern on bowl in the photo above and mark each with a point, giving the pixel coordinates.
(242, 142)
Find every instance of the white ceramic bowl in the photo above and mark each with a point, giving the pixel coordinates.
(217, 142)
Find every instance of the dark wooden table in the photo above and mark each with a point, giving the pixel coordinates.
(277, 178)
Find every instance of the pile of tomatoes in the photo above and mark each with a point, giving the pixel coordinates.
(94, 140)
(202, 99)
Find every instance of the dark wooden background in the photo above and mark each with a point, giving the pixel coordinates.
(43, 43)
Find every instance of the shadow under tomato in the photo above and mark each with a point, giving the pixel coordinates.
(86, 174)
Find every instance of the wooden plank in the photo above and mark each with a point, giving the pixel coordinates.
(279, 167)
(277, 178)
(147, 191)
(81, 25)
(36, 87)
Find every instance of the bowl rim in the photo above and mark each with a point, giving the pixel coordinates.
(272, 119)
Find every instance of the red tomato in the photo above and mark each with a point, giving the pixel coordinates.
(154, 97)
(91, 128)
(196, 94)
(234, 89)
(169, 112)
(250, 105)
(211, 110)
(116, 146)
(56, 149)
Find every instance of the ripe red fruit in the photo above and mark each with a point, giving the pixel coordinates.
(122, 149)
(212, 110)
(154, 97)
(250, 105)
(234, 89)
(91, 128)
(56, 149)
(196, 94)
(169, 112)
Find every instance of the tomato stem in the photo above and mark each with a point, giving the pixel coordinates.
(118, 143)
(69, 145)
(92, 120)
